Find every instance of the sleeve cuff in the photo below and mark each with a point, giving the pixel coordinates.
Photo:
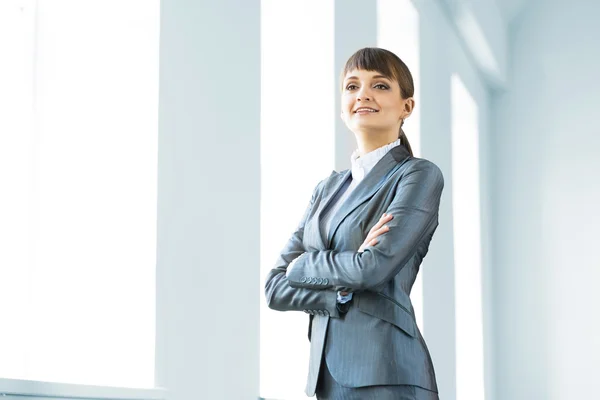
(343, 299)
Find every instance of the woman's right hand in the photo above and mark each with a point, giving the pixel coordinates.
(378, 229)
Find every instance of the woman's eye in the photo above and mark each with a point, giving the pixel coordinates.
(385, 87)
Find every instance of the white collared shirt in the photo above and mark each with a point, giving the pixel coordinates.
(361, 166)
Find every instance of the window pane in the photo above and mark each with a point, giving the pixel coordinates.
(16, 117)
(86, 262)
(467, 243)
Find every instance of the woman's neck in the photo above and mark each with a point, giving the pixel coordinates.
(370, 143)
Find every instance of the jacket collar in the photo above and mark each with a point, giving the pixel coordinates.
(362, 165)
(363, 191)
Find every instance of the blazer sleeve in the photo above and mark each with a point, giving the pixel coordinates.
(283, 297)
(415, 209)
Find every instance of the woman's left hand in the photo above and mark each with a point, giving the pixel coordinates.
(376, 230)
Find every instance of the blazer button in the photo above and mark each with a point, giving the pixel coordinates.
(325, 281)
(313, 280)
(320, 281)
(303, 280)
(306, 311)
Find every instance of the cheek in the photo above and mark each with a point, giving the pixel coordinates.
(345, 104)
(393, 108)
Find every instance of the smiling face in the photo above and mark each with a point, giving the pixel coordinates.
(372, 105)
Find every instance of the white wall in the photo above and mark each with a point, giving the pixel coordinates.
(546, 193)
(482, 29)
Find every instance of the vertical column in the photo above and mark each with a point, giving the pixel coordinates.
(355, 28)
(208, 200)
(436, 122)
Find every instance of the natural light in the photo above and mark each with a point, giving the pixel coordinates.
(78, 171)
(467, 244)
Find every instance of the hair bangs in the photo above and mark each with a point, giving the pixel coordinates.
(370, 59)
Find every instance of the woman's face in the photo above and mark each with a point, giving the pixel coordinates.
(371, 103)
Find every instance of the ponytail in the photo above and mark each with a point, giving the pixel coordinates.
(404, 140)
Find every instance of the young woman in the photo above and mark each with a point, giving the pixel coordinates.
(354, 257)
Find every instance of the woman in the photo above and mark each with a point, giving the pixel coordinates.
(354, 257)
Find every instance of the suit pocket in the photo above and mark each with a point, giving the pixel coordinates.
(388, 310)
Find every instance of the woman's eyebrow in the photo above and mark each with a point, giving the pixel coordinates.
(373, 77)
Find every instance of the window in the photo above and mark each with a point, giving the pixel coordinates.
(78, 154)
(467, 243)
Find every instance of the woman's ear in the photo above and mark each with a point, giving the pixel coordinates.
(409, 106)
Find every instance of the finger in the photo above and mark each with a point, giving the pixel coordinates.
(366, 244)
(380, 231)
(377, 229)
(373, 234)
(385, 218)
(381, 221)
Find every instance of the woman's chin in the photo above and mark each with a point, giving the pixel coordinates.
(365, 126)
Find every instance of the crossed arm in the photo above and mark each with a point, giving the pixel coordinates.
(414, 208)
(283, 297)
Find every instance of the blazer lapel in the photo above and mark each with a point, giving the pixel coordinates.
(330, 194)
(368, 186)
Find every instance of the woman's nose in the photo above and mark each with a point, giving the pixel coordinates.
(363, 95)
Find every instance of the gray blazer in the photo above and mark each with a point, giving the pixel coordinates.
(377, 341)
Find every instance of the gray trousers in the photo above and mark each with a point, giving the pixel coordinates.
(329, 389)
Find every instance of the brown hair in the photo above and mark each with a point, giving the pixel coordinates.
(388, 64)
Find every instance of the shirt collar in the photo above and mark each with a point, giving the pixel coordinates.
(361, 165)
